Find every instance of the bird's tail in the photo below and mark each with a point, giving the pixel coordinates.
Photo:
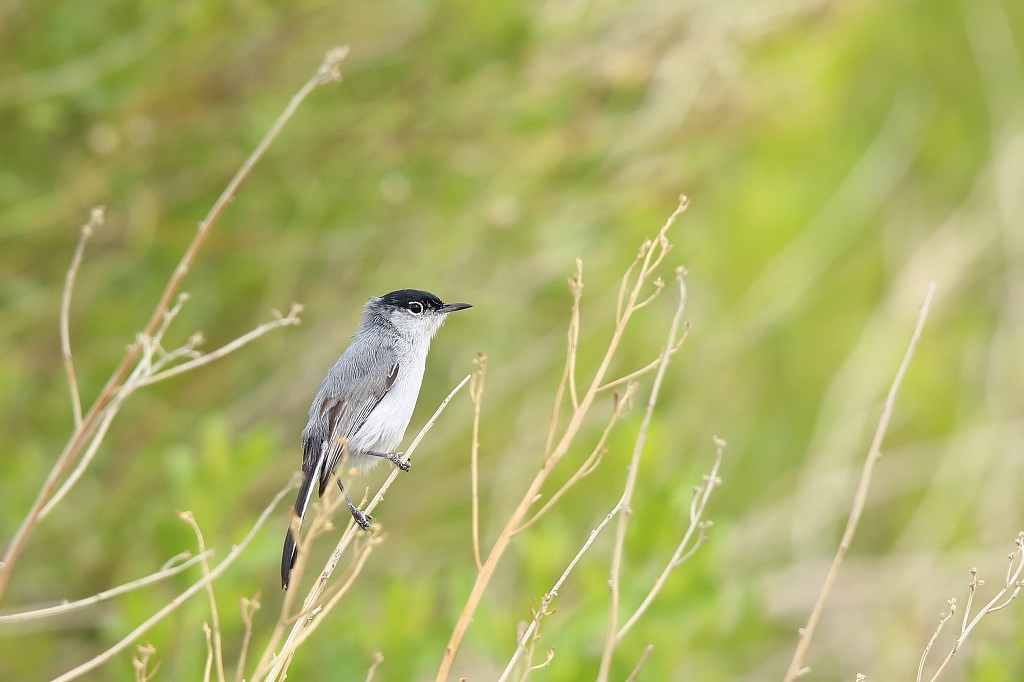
(291, 550)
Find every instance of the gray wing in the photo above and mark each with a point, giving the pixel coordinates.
(351, 390)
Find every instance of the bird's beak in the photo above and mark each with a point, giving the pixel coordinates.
(452, 307)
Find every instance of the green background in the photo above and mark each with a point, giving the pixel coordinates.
(838, 157)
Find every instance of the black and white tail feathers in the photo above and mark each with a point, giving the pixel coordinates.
(291, 550)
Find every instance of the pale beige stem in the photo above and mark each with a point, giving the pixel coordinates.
(134, 635)
(213, 631)
(796, 665)
(650, 255)
(170, 568)
(631, 477)
(96, 217)
(327, 71)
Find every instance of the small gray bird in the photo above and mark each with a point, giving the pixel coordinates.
(367, 398)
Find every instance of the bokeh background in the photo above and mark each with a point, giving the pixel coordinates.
(838, 157)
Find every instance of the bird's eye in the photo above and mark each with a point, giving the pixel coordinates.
(415, 307)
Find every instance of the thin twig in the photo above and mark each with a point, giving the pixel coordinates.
(545, 602)
(476, 393)
(291, 319)
(378, 658)
(531, 647)
(972, 590)
(574, 333)
(249, 609)
(217, 651)
(572, 337)
(1013, 585)
(548, 657)
(68, 607)
(796, 666)
(329, 70)
(131, 637)
(640, 664)
(96, 218)
(140, 662)
(626, 277)
(107, 418)
(143, 376)
(319, 614)
(650, 256)
(346, 538)
(631, 477)
(649, 367)
(209, 653)
(323, 511)
(590, 463)
(169, 315)
(310, 615)
(943, 618)
(659, 284)
(701, 495)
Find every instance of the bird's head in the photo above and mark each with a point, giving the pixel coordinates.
(414, 313)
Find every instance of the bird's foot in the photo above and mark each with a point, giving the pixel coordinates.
(362, 518)
(396, 459)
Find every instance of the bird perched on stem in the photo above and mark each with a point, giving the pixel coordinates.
(365, 402)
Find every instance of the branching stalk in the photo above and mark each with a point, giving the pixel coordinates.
(631, 477)
(329, 70)
(649, 258)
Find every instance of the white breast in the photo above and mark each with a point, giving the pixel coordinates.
(385, 426)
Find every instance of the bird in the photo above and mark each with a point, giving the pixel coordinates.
(366, 401)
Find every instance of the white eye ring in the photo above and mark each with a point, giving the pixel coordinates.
(415, 307)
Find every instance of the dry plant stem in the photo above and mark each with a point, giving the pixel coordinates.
(142, 376)
(651, 366)
(1012, 585)
(328, 71)
(545, 603)
(640, 664)
(590, 463)
(622, 289)
(528, 666)
(96, 217)
(321, 523)
(649, 258)
(320, 613)
(249, 608)
(311, 617)
(217, 650)
(67, 607)
(93, 443)
(378, 658)
(700, 501)
(309, 603)
(935, 635)
(572, 336)
(324, 510)
(209, 653)
(291, 319)
(627, 494)
(796, 666)
(476, 394)
(131, 637)
(140, 662)
(548, 657)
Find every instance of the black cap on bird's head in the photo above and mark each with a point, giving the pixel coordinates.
(418, 302)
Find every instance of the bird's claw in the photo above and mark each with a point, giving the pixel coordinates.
(362, 518)
(396, 459)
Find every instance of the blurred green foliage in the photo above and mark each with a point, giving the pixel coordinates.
(838, 157)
